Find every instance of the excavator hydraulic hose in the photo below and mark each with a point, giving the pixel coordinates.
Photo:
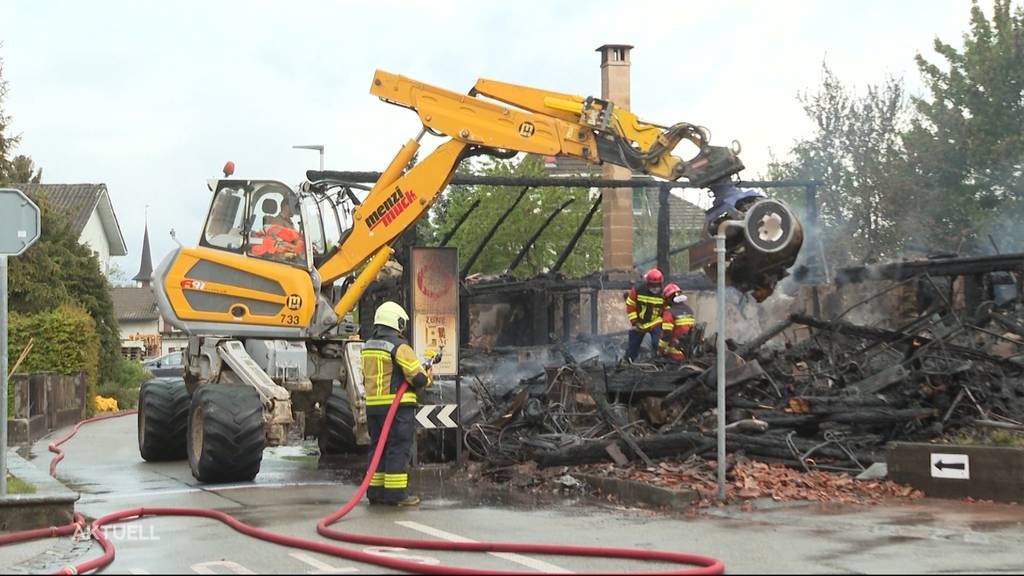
(689, 563)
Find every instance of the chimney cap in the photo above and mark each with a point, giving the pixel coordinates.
(604, 47)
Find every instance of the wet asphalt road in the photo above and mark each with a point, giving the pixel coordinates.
(293, 491)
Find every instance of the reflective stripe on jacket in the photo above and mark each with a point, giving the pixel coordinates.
(676, 322)
(644, 309)
(380, 378)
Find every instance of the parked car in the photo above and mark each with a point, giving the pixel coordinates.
(167, 365)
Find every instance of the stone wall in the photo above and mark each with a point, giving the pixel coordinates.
(44, 402)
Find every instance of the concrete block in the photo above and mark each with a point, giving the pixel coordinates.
(990, 472)
(631, 492)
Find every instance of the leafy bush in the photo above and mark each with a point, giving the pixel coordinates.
(64, 342)
(128, 377)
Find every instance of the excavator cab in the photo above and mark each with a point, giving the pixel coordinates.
(264, 219)
(253, 266)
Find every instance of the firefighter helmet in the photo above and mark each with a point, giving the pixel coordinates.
(653, 279)
(392, 315)
(671, 291)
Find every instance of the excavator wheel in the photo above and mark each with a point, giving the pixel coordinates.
(163, 419)
(225, 433)
(336, 431)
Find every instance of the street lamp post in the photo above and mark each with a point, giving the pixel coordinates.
(317, 147)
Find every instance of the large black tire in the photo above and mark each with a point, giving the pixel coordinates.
(163, 419)
(336, 430)
(225, 433)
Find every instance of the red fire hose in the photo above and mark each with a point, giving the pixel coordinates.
(694, 564)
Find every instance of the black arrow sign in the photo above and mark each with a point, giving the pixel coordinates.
(942, 465)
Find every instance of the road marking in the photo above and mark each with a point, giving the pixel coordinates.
(179, 491)
(320, 567)
(393, 552)
(208, 567)
(538, 565)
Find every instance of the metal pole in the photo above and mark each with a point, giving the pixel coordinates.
(720, 347)
(459, 432)
(664, 229)
(3, 376)
(321, 158)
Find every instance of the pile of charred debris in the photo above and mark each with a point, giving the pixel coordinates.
(809, 394)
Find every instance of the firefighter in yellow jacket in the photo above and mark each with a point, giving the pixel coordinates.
(388, 361)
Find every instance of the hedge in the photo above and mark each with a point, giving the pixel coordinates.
(65, 342)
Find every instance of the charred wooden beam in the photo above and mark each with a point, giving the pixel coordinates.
(937, 267)
(664, 229)
(882, 335)
(777, 446)
(748, 349)
(458, 224)
(640, 383)
(576, 236)
(861, 416)
(1008, 324)
(678, 445)
(832, 404)
(536, 236)
(884, 379)
(539, 181)
(598, 391)
(490, 233)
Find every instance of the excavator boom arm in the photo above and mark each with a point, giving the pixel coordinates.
(520, 119)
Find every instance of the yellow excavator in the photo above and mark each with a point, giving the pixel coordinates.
(264, 296)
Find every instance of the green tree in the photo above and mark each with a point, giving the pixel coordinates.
(527, 217)
(966, 147)
(7, 142)
(23, 170)
(57, 270)
(856, 152)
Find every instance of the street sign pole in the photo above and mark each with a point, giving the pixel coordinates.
(19, 229)
(3, 375)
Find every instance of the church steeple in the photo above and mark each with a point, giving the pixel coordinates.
(146, 266)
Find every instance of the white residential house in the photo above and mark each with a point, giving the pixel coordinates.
(89, 213)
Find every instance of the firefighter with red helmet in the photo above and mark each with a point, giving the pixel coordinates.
(677, 321)
(644, 306)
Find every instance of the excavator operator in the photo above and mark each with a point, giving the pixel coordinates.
(388, 361)
(281, 236)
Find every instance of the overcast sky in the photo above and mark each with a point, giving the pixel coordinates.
(152, 98)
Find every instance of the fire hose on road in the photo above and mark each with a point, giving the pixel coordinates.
(691, 563)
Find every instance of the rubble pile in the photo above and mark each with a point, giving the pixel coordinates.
(827, 399)
(751, 479)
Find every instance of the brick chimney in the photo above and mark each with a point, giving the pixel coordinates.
(617, 203)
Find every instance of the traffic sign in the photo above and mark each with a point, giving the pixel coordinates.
(955, 466)
(19, 222)
(19, 229)
(442, 418)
